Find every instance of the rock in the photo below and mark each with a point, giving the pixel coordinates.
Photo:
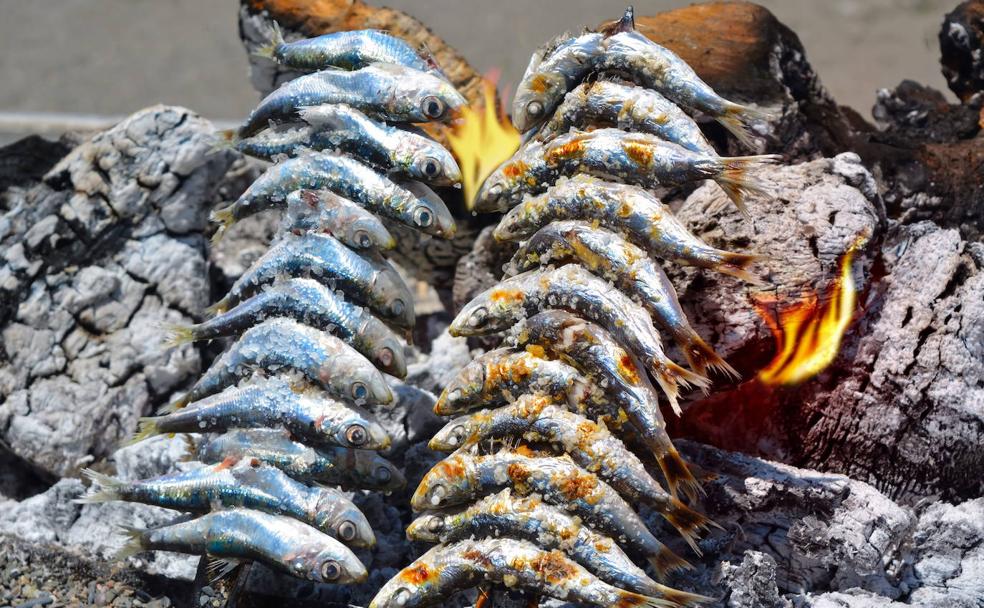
(97, 259)
(962, 47)
(752, 582)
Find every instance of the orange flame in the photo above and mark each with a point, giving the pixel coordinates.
(482, 139)
(808, 333)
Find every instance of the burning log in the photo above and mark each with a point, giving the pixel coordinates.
(962, 46)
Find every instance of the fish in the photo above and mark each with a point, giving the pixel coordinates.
(462, 477)
(595, 352)
(631, 211)
(349, 50)
(325, 212)
(283, 544)
(518, 564)
(572, 287)
(629, 108)
(535, 419)
(309, 302)
(386, 91)
(306, 412)
(624, 51)
(281, 345)
(246, 484)
(340, 128)
(633, 158)
(550, 528)
(410, 203)
(628, 267)
(500, 375)
(348, 468)
(363, 277)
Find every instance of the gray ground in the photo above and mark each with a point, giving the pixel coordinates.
(116, 56)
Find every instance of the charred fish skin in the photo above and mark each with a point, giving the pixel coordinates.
(629, 210)
(366, 278)
(305, 411)
(614, 259)
(628, 108)
(281, 344)
(412, 203)
(284, 544)
(389, 92)
(632, 158)
(309, 302)
(333, 465)
(463, 477)
(574, 288)
(325, 212)
(499, 375)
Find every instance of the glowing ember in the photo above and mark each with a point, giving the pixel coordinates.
(808, 333)
(482, 140)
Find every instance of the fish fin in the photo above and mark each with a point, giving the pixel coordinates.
(682, 599)
(625, 24)
(425, 53)
(179, 335)
(226, 139)
(736, 118)
(133, 545)
(269, 49)
(666, 561)
(688, 522)
(629, 598)
(738, 183)
(671, 377)
(701, 357)
(147, 427)
(190, 446)
(219, 307)
(108, 488)
(678, 475)
(174, 406)
(218, 568)
(224, 218)
(736, 265)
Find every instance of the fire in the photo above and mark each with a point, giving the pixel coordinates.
(482, 140)
(808, 333)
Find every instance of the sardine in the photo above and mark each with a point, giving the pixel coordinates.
(628, 108)
(365, 278)
(574, 288)
(280, 345)
(594, 351)
(411, 203)
(283, 544)
(501, 375)
(534, 419)
(311, 303)
(386, 91)
(614, 259)
(344, 129)
(244, 484)
(325, 212)
(347, 50)
(632, 158)
(628, 210)
(351, 469)
(305, 411)
(462, 477)
(529, 518)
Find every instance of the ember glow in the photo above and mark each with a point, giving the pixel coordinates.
(808, 333)
(482, 140)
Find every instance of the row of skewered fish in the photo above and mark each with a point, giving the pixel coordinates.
(316, 322)
(555, 430)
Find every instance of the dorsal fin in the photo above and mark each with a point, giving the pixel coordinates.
(625, 24)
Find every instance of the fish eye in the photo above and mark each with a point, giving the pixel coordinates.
(435, 524)
(423, 217)
(457, 435)
(383, 474)
(385, 356)
(397, 307)
(330, 570)
(433, 107)
(478, 317)
(534, 108)
(359, 390)
(401, 597)
(361, 238)
(346, 531)
(437, 494)
(495, 191)
(430, 167)
(356, 435)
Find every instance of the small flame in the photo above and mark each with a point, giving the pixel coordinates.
(482, 139)
(808, 333)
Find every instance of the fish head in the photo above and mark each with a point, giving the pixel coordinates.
(387, 350)
(360, 382)
(493, 195)
(427, 528)
(495, 309)
(501, 188)
(338, 567)
(339, 517)
(377, 473)
(449, 482)
(416, 585)
(434, 99)
(454, 434)
(464, 391)
(356, 429)
(427, 212)
(536, 97)
(394, 298)
(360, 232)
(426, 160)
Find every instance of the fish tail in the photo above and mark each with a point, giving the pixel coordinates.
(628, 598)
(226, 139)
(179, 335)
(190, 446)
(134, 543)
(701, 357)
(666, 561)
(738, 183)
(269, 49)
(625, 24)
(219, 307)
(224, 218)
(736, 118)
(736, 265)
(688, 522)
(682, 599)
(108, 488)
(174, 406)
(678, 474)
(671, 377)
(147, 427)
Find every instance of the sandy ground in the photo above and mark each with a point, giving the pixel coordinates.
(116, 56)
